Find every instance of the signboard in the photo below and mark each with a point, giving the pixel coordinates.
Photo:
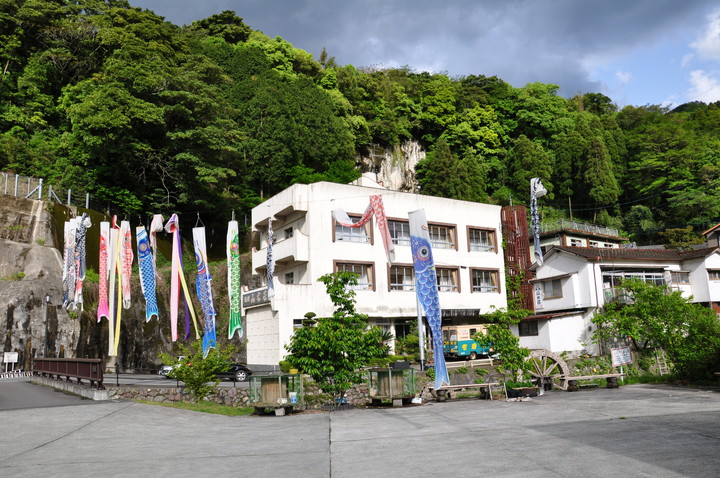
(10, 357)
(539, 294)
(621, 356)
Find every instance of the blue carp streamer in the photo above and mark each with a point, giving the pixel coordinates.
(204, 292)
(146, 264)
(427, 289)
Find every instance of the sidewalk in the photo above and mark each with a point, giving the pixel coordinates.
(637, 430)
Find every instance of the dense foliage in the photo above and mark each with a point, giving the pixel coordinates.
(197, 372)
(151, 117)
(653, 316)
(502, 341)
(334, 350)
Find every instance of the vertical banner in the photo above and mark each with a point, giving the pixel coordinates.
(146, 266)
(155, 226)
(177, 280)
(204, 291)
(113, 261)
(80, 266)
(234, 289)
(103, 272)
(427, 288)
(537, 190)
(126, 261)
(270, 262)
(69, 263)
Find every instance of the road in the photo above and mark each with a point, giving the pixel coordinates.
(637, 430)
(156, 380)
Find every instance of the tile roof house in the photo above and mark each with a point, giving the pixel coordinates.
(575, 282)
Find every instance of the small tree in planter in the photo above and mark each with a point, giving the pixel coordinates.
(333, 350)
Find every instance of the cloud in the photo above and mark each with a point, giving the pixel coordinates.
(623, 77)
(705, 86)
(708, 45)
(521, 41)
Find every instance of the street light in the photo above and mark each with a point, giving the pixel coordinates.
(47, 308)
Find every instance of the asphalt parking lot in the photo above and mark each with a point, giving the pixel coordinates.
(637, 430)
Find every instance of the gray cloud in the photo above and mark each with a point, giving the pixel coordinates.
(520, 41)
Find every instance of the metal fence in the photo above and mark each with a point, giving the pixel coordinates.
(37, 188)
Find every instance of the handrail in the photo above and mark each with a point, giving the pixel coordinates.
(88, 369)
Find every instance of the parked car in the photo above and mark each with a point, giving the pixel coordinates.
(165, 369)
(237, 372)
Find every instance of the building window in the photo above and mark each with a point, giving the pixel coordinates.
(364, 270)
(527, 328)
(484, 280)
(288, 233)
(290, 278)
(353, 234)
(442, 236)
(447, 279)
(594, 244)
(576, 243)
(608, 246)
(552, 289)
(680, 277)
(402, 278)
(714, 274)
(481, 240)
(399, 232)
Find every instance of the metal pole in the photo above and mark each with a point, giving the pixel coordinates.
(47, 320)
(69, 194)
(17, 178)
(87, 200)
(40, 190)
(421, 333)
(6, 182)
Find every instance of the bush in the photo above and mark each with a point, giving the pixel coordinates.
(198, 373)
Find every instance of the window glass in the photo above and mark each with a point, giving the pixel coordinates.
(399, 232)
(364, 272)
(402, 278)
(484, 280)
(481, 240)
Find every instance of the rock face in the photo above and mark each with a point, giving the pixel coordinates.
(395, 168)
(31, 284)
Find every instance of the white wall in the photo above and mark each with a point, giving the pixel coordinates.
(310, 207)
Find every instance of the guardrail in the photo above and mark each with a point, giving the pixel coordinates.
(79, 369)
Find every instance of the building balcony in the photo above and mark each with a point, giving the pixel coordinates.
(287, 252)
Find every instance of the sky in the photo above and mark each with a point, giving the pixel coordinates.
(637, 52)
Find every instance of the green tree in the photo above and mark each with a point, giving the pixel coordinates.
(333, 350)
(656, 317)
(198, 373)
(226, 25)
(499, 336)
(681, 238)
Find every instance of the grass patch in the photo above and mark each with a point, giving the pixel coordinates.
(205, 407)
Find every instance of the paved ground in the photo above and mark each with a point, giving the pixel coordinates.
(638, 430)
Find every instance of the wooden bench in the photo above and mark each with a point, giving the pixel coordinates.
(611, 378)
(446, 391)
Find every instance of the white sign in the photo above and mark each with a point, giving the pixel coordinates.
(621, 356)
(10, 357)
(539, 296)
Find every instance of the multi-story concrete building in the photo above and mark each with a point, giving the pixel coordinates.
(466, 239)
(575, 282)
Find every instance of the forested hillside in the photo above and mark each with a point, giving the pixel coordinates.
(152, 117)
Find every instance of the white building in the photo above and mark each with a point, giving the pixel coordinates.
(574, 282)
(466, 241)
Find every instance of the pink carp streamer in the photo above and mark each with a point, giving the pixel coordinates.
(377, 209)
(103, 308)
(126, 261)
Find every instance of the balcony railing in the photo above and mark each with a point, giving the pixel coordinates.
(577, 226)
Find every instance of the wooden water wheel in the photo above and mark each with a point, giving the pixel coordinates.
(548, 367)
